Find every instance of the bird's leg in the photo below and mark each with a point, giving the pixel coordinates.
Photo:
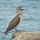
(6, 32)
(16, 30)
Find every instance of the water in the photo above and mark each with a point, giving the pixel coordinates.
(30, 19)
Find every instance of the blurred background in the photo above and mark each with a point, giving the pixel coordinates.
(30, 19)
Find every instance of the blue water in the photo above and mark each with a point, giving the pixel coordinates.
(30, 19)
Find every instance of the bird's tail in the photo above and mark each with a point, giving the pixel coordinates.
(5, 33)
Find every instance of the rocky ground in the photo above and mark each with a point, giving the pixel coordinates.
(26, 36)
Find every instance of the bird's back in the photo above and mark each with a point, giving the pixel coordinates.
(14, 23)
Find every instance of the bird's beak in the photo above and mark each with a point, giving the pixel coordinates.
(22, 9)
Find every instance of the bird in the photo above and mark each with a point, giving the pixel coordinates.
(16, 20)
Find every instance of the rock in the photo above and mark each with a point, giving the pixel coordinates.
(27, 36)
(17, 33)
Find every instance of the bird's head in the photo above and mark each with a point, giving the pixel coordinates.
(19, 10)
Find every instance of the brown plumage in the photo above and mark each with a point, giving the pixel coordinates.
(15, 20)
(13, 23)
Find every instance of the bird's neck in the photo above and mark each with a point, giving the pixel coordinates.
(18, 12)
(17, 15)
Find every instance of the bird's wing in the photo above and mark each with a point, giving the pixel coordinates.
(13, 23)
